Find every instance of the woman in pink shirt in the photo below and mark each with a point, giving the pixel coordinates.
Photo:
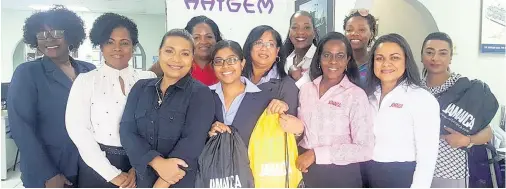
(337, 116)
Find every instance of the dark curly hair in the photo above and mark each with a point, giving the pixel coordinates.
(104, 24)
(371, 20)
(58, 18)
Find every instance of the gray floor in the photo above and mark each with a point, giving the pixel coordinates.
(13, 179)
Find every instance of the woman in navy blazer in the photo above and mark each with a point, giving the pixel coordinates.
(239, 102)
(38, 95)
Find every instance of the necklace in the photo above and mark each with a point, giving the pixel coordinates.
(158, 93)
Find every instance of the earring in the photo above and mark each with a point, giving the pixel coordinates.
(319, 67)
(278, 59)
(70, 48)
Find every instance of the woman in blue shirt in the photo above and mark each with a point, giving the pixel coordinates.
(165, 122)
(38, 98)
(239, 102)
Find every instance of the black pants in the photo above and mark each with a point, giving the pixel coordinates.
(89, 178)
(388, 175)
(332, 176)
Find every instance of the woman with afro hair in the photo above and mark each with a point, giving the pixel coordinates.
(96, 104)
(38, 98)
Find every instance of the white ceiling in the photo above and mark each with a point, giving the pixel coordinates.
(118, 6)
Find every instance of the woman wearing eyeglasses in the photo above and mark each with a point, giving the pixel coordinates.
(238, 101)
(337, 117)
(38, 98)
(264, 62)
(265, 67)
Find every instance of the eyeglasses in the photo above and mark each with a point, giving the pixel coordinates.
(229, 61)
(260, 44)
(55, 34)
(330, 56)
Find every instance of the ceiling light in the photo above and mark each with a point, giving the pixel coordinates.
(72, 8)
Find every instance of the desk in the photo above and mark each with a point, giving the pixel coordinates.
(8, 148)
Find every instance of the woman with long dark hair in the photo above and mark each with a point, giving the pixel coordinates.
(264, 66)
(239, 102)
(337, 117)
(263, 85)
(406, 125)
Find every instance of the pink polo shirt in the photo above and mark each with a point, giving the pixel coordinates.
(339, 125)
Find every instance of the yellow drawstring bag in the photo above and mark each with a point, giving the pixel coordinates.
(271, 153)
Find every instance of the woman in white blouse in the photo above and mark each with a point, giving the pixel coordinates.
(96, 104)
(301, 45)
(406, 124)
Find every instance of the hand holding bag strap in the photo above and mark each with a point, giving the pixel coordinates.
(287, 158)
(287, 163)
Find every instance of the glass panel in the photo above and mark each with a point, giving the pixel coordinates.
(138, 62)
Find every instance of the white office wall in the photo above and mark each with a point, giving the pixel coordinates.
(234, 25)
(459, 18)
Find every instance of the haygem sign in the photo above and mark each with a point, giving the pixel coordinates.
(246, 6)
(235, 18)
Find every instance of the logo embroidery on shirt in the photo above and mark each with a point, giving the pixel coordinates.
(396, 105)
(336, 104)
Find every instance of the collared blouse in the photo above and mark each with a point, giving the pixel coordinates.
(338, 126)
(94, 111)
(174, 128)
(406, 129)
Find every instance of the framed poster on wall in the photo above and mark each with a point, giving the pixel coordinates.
(493, 26)
(322, 11)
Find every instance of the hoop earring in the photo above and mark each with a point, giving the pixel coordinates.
(278, 59)
(70, 48)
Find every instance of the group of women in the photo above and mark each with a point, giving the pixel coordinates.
(360, 108)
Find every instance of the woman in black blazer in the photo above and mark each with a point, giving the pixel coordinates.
(264, 66)
(240, 102)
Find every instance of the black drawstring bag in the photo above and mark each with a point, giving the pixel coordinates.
(467, 107)
(224, 163)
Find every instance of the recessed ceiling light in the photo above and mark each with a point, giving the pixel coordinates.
(72, 8)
